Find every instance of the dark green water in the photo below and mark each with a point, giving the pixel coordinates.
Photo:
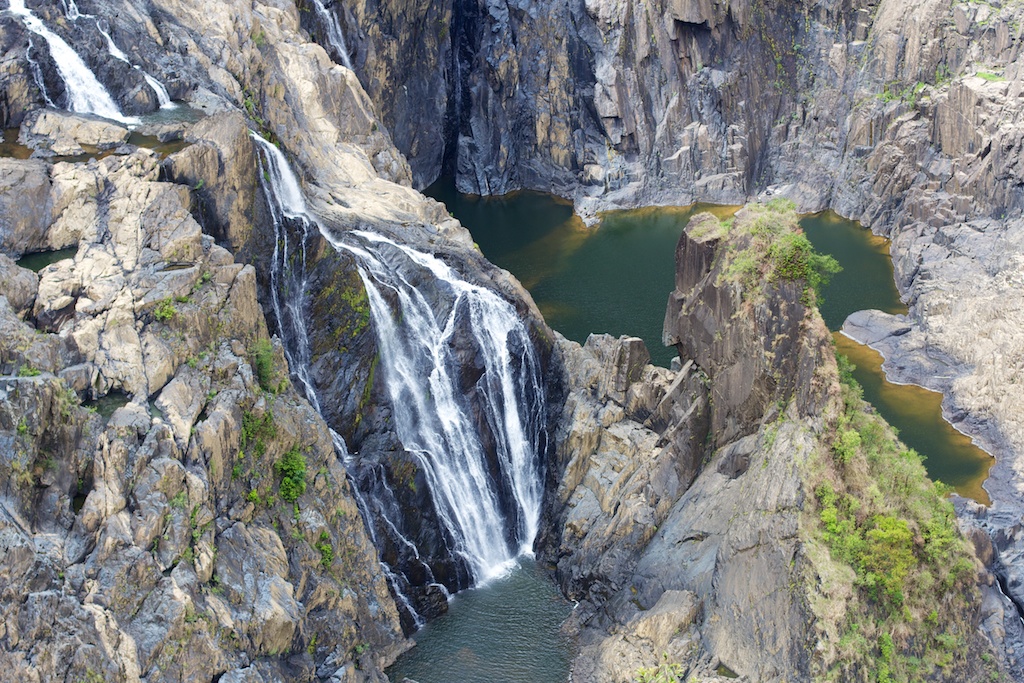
(867, 282)
(106, 405)
(615, 279)
(41, 259)
(505, 631)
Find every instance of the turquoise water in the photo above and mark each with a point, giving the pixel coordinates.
(505, 631)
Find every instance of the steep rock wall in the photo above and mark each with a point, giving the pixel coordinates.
(156, 541)
(688, 521)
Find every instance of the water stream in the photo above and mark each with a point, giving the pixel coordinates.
(478, 447)
(86, 95)
(162, 96)
(335, 36)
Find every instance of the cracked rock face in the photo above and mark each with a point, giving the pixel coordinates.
(153, 543)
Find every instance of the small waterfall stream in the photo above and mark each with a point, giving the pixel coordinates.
(86, 94)
(162, 96)
(478, 446)
(335, 36)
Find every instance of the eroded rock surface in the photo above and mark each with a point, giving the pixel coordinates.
(158, 542)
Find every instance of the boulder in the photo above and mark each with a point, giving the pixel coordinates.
(62, 133)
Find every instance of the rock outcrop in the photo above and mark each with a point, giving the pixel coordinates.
(691, 518)
(205, 526)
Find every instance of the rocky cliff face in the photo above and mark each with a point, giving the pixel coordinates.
(899, 115)
(690, 523)
(161, 540)
(185, 560)
(188, 490)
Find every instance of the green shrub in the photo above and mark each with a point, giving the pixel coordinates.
(326, 550)
(774, 249)
(292, 470)
(263, 365)
(793, 258)
(165, 310)
(256, 431)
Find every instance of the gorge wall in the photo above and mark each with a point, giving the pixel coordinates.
(717, 467)
(901, 115)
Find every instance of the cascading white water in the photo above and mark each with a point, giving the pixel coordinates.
(284, 197)
(71, 10)
(334, 33)
(86, 94)
(487, 495)
(162, 96)
(421, 372)
(37, 73)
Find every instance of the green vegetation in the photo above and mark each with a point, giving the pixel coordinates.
(990, 77)
(263, 365)
(909, 93)
(666, 672)
(292, 470)
(891, 538)
(256, 431)
(179, 501)
(28, 371)
(165, 310)
(768, 246)
(326, 550)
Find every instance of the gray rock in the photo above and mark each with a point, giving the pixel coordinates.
(65, 134)
(19, 285)
(24, 206)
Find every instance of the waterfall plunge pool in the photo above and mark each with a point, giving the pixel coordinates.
(616, 279)
(505, 630)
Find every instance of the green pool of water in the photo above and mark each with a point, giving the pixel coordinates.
(505, 631)
(867, 282)
(41, 259)
(106, 405)
(614, 279)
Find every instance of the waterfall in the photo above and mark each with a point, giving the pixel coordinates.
(421, 371)
(71, 10)
(86, 94)
(162, 96)
(37, 73)
(288, 209)
(334, 34)
(477, 446)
